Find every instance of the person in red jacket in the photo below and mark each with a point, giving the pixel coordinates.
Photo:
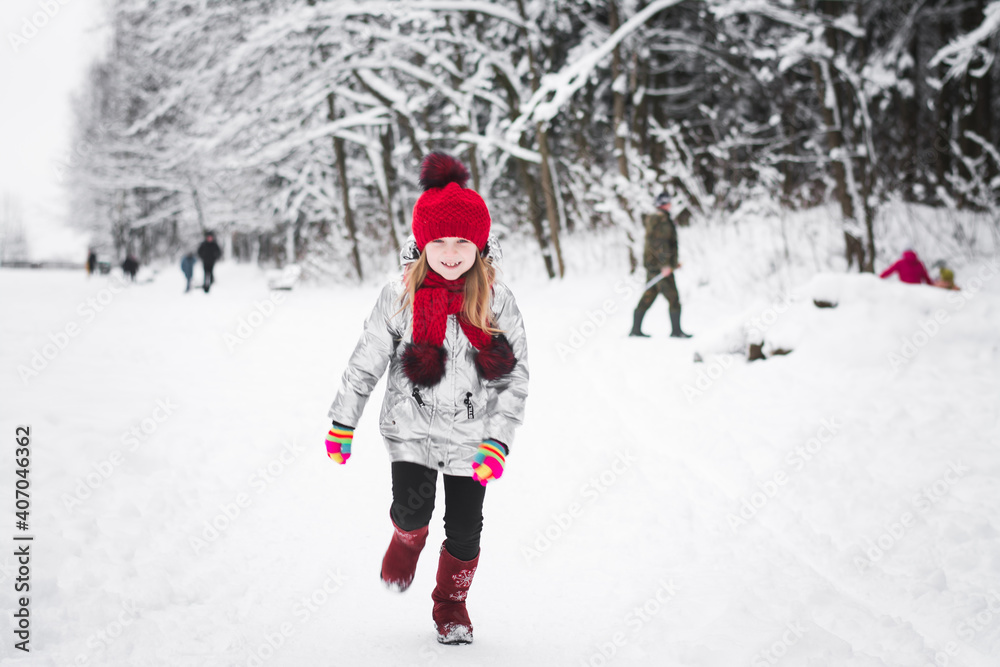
(910, 269)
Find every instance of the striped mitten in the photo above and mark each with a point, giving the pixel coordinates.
(338, 443)
(488, 462)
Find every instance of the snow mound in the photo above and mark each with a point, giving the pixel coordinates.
(857, 320)
(284, 278)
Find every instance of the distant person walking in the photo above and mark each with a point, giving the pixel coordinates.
(130, 266)
(910, 269)
(187, 266)
(91, 262)
(660, 258)
(210, 252)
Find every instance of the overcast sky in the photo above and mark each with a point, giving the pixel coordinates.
(37, 77)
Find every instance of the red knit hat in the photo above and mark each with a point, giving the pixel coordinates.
(447, 207)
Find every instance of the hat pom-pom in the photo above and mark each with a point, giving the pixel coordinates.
(423, 363)
(439, 169)
(496, 359)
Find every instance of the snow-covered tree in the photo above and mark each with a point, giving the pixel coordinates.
(296, 128)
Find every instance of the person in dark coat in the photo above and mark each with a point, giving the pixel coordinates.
(210, 252)
(187, 266)
(130, 266)
(91, 262)
(660, 257)
(910, 269)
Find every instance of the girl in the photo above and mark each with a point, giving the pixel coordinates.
(454, 343)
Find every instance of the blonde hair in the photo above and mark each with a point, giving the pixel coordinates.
(478, 283)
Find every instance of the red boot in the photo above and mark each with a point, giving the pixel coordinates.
(400, 561)
(453, 580)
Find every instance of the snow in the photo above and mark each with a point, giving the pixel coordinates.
(794, 50)
(958, 53)
(835, 506)
(519, 152)
(563, 84)
(849, 24)
(381, 8)
(764, 8)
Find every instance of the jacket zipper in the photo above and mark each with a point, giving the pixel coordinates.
(416, 395)
(468, 404)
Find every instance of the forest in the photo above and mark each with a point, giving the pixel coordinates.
(294, 129)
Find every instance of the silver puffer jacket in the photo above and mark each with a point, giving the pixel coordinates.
(439, 427)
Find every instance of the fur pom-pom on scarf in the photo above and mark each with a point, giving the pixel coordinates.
(424, 359)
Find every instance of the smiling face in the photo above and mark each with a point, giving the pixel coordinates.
(451, 256)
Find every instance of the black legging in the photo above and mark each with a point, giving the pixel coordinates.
(413, 490)
(209, 274)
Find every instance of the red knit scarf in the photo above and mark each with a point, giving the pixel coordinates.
(436, 299)
(424, 358)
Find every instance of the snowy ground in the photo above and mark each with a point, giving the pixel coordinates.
(836, 506)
